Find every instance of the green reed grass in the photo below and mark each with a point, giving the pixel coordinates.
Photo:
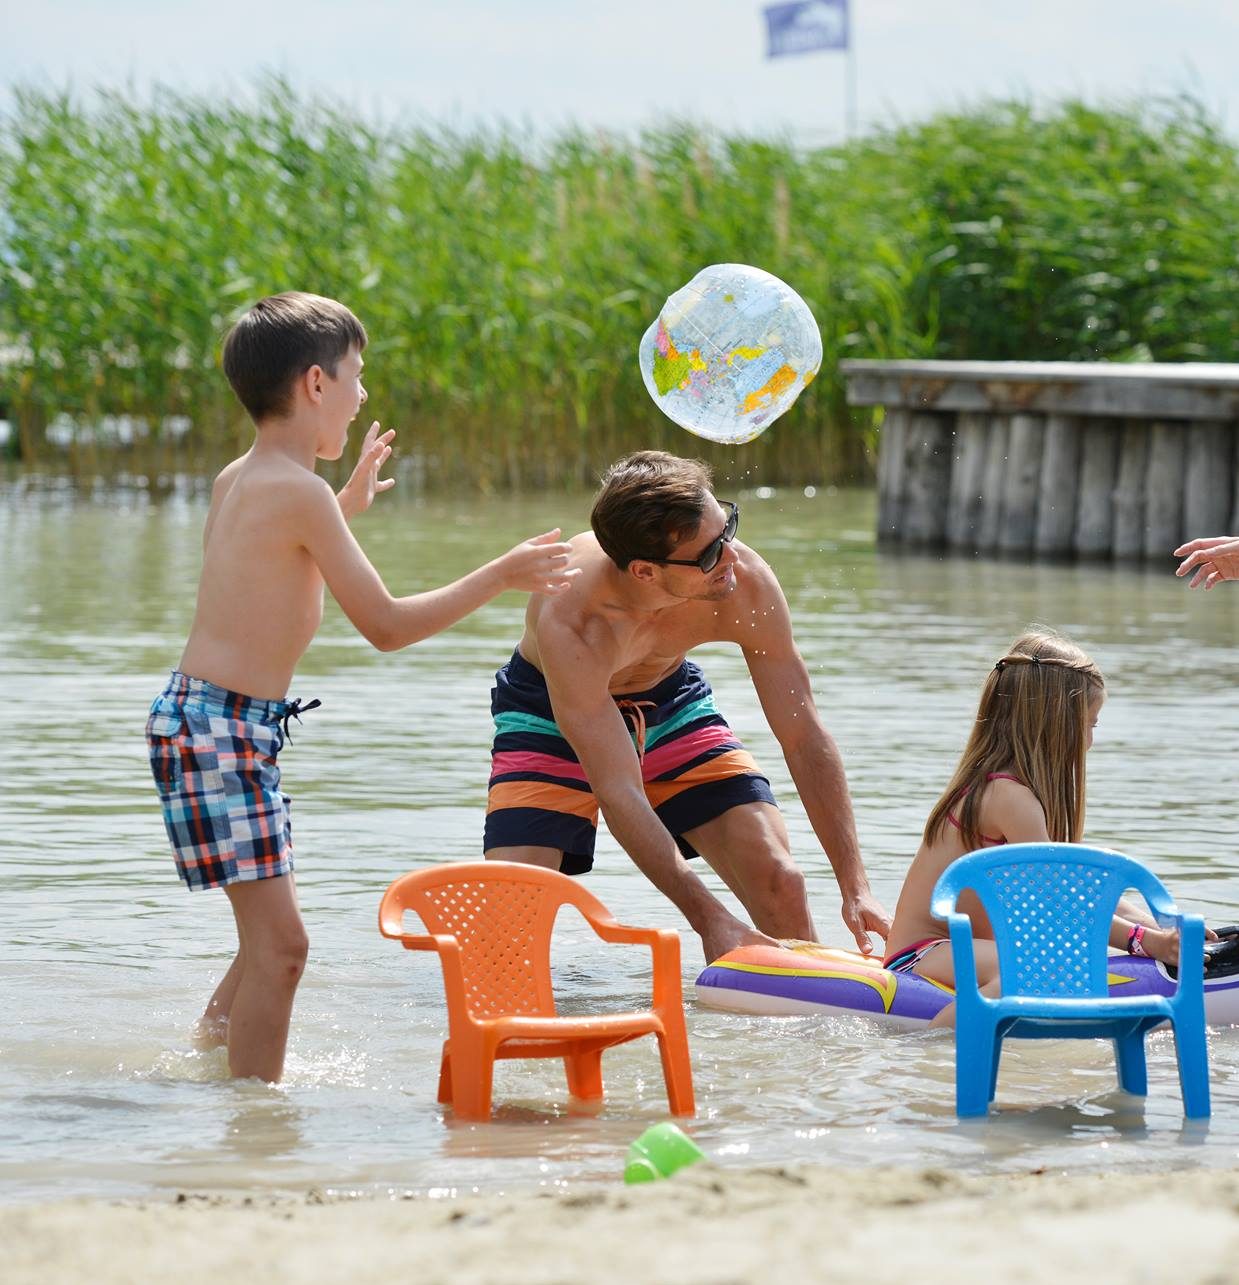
(506, 280)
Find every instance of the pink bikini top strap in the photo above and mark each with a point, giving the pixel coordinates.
(991, 776)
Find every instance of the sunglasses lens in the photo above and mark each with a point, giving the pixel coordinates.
(709, 559)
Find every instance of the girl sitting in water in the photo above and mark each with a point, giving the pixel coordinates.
(1020, 780)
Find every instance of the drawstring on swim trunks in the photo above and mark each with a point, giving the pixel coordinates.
(295, 710)
(633, 710)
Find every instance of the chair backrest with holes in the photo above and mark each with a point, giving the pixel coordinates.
(1050, 907)
(502, 915)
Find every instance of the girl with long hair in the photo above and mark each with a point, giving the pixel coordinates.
(1020, 780)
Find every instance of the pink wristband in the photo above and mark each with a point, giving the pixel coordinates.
(1135, 941)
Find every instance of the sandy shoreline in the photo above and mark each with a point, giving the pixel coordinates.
(704, 1225)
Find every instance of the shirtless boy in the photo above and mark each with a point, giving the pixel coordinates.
(275, 534)
(599, 707)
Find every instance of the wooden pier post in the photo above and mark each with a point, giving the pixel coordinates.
(927, 480)
(1099, 460)
(1163, 490)
(966, 501)
(1021, 483)
(1207, 487)
(891, 473)
(1058, 486)
(1129, 490)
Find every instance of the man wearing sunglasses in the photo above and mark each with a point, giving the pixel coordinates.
(600, 707)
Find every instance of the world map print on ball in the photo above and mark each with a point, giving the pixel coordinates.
(730, 352)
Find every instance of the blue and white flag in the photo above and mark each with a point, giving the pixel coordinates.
(806, 25)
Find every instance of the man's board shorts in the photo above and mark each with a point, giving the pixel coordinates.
(213, 756)
(693, 766)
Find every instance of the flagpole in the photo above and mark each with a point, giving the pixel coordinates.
(849, 89)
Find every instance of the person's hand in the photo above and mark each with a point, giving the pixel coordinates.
(863, 913)
(1163, 943)
(357, 494)
(729, 933)
(1209, 560)
(539, 565)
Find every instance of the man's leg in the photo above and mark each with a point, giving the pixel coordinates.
(749, 849)
(550, 858)
(275, 949)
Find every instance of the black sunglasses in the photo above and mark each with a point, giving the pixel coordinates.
(707, 560)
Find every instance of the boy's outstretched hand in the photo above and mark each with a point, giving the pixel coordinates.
(357, 494)
(539, 565)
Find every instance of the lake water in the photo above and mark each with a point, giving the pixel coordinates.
(106, 960)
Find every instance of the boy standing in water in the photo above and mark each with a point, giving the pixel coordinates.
(275, 534)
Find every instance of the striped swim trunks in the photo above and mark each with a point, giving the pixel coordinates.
(693, 766)
(212, 755)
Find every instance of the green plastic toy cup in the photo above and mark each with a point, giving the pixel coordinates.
(659, 1152)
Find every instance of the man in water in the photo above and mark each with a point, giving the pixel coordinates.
(599, 707)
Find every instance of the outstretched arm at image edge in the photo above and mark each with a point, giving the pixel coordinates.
(1210, 560)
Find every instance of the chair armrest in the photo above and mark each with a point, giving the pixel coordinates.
(419, 941)
(942, 903)
(1161, 904)
(612, 930)
(1191, 946)
(391, 925)
(664, 944)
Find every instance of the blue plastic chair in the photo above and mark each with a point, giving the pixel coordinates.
(1050, 907)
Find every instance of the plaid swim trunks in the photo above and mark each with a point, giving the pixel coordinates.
(212, 755)
(693, 766)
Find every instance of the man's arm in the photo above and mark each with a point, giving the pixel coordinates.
(539, 565)
(786, 695)
(576, 677)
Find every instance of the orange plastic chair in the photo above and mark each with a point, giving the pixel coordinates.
(491, 923)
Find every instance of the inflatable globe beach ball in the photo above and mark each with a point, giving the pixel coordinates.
(730, 352)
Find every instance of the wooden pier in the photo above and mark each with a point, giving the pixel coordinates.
(1053, 459)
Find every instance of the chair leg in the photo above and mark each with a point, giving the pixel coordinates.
(585, 1075)
(1193, 1054)
(677, 1071)
(473, 1074)
(993, 1067)
(1133, 1069)
(445, 1076)
(975, 1073)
